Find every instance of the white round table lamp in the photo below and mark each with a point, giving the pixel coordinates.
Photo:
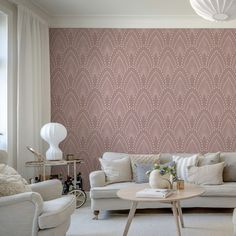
(53, 133)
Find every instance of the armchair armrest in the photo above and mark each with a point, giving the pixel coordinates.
(19, 214)
(97, 178)
(49, 189)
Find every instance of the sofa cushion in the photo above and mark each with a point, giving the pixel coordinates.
(142, 159)
(116, 170)
(225, 190)
(229, 173)
(141, 172)
(207, 174)
(114, 155)
(110, 190)
(182, 163)
(209, 159)
(56, 211)
(167, 157)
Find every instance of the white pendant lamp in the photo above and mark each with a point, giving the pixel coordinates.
(53, 133)
(215, 10)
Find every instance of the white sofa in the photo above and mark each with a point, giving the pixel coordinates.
(103, 195)
(43, 212)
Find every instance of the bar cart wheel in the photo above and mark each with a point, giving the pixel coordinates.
(80, 197)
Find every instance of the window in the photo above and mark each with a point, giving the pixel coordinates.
(3, 81)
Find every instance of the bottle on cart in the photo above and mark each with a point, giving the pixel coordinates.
(36, 179)
(79, 181)
(68, 185)
(60, 176)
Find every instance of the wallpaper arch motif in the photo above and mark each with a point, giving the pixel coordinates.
(143, 90)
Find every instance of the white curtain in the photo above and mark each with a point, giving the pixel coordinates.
(33, 98)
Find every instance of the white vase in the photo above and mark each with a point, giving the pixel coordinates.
(156, 180)
(53, 133)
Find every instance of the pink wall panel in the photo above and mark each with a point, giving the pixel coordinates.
(143, 91)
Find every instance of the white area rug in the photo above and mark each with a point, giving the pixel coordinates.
(198, 222)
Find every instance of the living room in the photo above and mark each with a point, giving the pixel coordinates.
(126, 87)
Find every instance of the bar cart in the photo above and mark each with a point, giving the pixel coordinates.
(75, 188)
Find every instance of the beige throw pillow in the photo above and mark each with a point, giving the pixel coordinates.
(7, 170)
(229, 173)
(209, 159)
(208, 174)
(11, 182)
(137, 159)
(118, 170)
(182, 163)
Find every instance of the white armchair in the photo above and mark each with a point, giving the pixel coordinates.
(43, 212)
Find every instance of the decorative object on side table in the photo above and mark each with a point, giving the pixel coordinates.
(180, 184)
(162, 176)
(70, 157)
(53, 133)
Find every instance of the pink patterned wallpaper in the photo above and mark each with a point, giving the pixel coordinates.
(143, 90)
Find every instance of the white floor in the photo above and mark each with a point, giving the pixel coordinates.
(198, 222)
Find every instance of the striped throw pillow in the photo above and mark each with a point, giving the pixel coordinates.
(182, 164)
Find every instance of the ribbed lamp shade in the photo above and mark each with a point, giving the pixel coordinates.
(53, 133)
(215, 10)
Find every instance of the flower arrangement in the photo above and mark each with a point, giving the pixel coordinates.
(168, 168)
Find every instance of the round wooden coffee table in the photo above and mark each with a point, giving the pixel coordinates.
(190, 191)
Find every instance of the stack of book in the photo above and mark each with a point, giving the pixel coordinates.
(154, 193)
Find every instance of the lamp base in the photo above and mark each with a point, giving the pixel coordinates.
(54, 154)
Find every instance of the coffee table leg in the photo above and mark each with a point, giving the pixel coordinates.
(130, 217)
(175, 213)
(180, 213)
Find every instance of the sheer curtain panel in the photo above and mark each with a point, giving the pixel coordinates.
(33, 101)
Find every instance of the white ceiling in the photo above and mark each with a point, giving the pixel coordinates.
(124, 14)
(114, 7)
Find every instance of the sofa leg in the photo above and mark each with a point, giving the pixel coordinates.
(96, 213)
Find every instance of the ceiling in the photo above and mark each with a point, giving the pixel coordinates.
(123, 14)
(114, 7)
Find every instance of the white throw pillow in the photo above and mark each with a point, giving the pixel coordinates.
(208, 174)
(209, 159)
(7, 170)
(182, 163)
(118, 170)
(12, 184)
